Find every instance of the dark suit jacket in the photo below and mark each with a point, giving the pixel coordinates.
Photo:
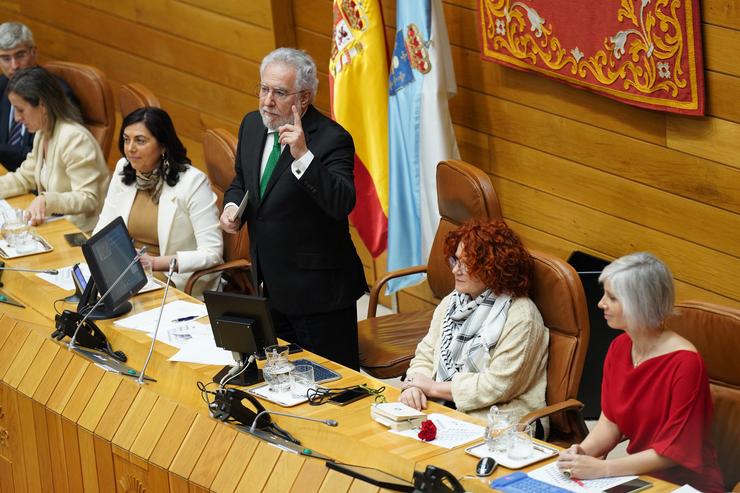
(12, 156)
(299, 232)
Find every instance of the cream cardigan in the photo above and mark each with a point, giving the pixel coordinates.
(78, 175)
(516, 379)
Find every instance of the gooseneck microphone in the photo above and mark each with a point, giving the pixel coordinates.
(81, 323)
(327, 422)
(52, 272)
(173, 260)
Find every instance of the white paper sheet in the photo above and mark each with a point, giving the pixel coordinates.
(147, 321)
(551, 474)
(64, 278)
(451, 432)
(203, 351)
(179, 334)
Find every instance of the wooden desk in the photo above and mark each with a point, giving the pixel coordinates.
(66, 425)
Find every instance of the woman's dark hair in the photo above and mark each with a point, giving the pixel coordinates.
(493, 253)
(160, 125)
(36, 85)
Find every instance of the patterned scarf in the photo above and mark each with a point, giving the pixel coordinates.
(470, 329)
(153, 180)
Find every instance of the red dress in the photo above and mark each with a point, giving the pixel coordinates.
(664, 404)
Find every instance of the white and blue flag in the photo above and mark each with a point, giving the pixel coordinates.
(420, 132)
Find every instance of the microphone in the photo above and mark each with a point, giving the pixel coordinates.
(327, 422)
(138, 256)
(52, 272)
(171, 271)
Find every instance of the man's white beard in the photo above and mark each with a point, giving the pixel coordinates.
(276, 122)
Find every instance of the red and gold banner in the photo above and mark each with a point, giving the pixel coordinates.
(643, 52)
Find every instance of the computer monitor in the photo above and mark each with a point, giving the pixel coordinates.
(241, 324)
(108, 253)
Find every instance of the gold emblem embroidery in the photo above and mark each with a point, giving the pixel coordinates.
(418, 53)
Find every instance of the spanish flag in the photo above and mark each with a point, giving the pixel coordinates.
(358, 84)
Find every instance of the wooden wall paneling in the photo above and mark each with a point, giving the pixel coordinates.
(721, 12)
(71, 449)
(710, 138)
(214, 453)
(708, 269)
(461, 26)
(11, 447)
(259, 469)
(722, 100)
(666, 169)
(165, 81)
(62, 466)
(234, 463)
(699, 223)
(6, 476)
(283, 23)
(67, 384)
(257, 12)
(51, 378)
(137, 415)
(310, 477)
(153, 428)
(556, 97)
(7, 323)
(193, 23)
(720, 49)
(172, 437)
(154, 45)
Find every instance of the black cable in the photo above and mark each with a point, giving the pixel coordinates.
(321, 395)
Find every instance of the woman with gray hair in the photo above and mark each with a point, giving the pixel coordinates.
(655, 390)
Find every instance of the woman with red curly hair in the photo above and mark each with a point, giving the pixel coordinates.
(487, 343)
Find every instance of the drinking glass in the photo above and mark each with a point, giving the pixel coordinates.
(520, 441)
(15, 228)
(277, 369)
(499, 423)
(301, 379)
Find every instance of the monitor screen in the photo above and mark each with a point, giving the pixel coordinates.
(108, 253)
(230, 314)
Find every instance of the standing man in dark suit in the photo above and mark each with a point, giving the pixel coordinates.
(17, 51)
(297, 167)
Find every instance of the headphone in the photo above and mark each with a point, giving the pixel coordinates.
(89, 335)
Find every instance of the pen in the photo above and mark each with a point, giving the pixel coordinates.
(185, 319)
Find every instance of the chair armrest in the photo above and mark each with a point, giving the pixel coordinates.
(551, 409)
(232, 264)
(372, 306)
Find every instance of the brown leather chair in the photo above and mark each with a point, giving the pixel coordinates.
(387, 343)
(715, 331)
(91, 87)
(558, 293)
(133, 96)
(219, 152)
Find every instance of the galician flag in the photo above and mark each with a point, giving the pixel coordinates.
(358, 84)
(420, 132)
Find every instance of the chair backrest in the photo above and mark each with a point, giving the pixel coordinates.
(558, 293)
(133, 96)
(92, 89)
(219, 153)
(715, 331)
(463, 192)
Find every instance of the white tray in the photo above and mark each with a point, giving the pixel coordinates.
(284, 399)
(540, 452)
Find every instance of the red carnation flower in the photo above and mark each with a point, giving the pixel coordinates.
(428, 431)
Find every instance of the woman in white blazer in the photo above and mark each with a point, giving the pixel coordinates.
(166, 203)
(66, 164)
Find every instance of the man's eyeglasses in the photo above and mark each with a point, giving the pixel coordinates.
(456, 262)
(279, 94)
(18, 56)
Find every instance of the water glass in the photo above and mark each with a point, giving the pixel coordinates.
(497, 429)
(520, 441)
(301, 379)
(147, 266)
(276, 371)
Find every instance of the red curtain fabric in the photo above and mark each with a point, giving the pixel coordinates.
(643, 52)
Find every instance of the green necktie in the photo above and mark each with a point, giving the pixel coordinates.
(271, 162)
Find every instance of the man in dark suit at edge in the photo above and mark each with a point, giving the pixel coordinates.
(297, 166)
(17, 51)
